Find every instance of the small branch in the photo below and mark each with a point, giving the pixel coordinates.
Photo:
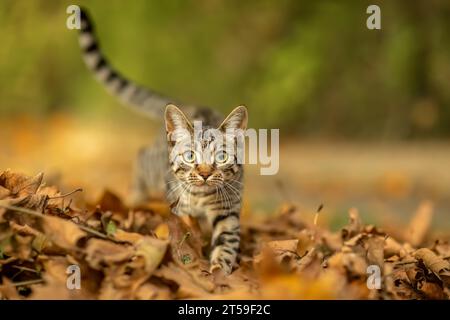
(67, 194)
(26, 269)
(95, 232)
(40, 215)
(26, 283)
(404, 263)
(185, 237)
(20, 209)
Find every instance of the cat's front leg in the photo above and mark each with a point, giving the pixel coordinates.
(225, 239)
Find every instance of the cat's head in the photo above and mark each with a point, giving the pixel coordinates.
(205, 156)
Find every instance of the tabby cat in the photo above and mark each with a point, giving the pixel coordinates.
(208, 190)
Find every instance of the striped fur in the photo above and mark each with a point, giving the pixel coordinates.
(209, 191)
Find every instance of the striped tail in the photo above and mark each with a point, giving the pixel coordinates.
(141, 99)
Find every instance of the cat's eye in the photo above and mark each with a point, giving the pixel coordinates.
(221, 157)
(189, 156)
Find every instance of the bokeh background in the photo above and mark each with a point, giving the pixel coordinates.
(364, 115)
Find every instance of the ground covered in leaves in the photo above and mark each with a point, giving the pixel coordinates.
(148, 253)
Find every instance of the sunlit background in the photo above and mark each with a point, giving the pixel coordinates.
(364, 115)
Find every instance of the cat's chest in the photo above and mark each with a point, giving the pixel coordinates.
(198, 202)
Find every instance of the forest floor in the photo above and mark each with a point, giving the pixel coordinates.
(380, 204)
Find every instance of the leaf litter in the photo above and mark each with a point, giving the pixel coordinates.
(148, 253)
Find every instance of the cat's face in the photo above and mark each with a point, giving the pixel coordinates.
(205, 157)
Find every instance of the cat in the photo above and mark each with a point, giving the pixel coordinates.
(209, 190)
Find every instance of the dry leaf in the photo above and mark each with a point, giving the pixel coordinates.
(101, 253)
(149, 254)
(419, 225)
(354, 227)
(152, 250)
(62, 233)
(375, 251)
(438, 266)
(188, 287)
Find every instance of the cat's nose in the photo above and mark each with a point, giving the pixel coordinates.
(205, 174)
(204, 170)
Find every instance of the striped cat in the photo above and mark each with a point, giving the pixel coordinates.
(208, 190)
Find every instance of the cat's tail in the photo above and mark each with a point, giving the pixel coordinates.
(141, 99)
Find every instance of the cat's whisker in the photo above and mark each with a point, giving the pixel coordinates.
(185, 189)
(233, 189)
(222, 197)
(177, 188)
(227, 197)
(236, 181)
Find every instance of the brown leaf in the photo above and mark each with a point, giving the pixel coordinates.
(131, 237)
(188, 286)
(403, 287)
(162, 231)
(439, 266)
(62, 233)
(420, 223)
(350, 262)
(283, 245)
(4, 193)
(432, 290)
(8, 290)
(305, 242)
(152, 250)
(393, 247)
(24, 229)
(55, 286)
(354, 227)
(20, 184)
(150, 291)
(101, 253)
(109, 201)
(375, 251)
(126, 267)
(442, 248)
(23, 190)
(186, 246)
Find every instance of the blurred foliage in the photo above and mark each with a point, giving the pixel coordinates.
(308, 66)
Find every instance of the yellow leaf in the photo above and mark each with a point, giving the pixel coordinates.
(162, 231)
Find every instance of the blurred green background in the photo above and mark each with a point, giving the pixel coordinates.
(308, 67)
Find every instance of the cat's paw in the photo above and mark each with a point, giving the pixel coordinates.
(220, 266)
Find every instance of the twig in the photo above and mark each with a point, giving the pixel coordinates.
(20, 209)
(185, 237)
(180, 244)
(316, 216)
(26, 283)
(95, 232)
(67, 194)
(40, 215)
(404, 263)
(26, 269)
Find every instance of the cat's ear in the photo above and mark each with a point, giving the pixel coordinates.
(175, 119)
(237, 119)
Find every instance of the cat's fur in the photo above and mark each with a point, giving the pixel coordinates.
(210, 191)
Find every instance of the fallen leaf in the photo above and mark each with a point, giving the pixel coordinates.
(439, 266)
(62, 233)
(420, 223)
(101, 253)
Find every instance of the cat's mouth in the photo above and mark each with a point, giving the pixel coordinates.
(207, 183)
